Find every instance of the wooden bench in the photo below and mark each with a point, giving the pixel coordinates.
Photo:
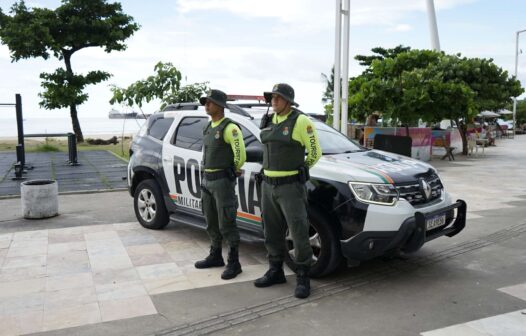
(443, 142)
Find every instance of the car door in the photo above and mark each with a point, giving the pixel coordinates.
(182, 155)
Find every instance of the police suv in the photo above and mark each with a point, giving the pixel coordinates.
(362, 203)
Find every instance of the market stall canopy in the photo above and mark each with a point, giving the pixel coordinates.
(504, 112)
(488, 114)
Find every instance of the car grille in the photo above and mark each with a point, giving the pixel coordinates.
(413, 194)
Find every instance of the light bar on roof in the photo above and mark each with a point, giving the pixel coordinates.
(244, 97)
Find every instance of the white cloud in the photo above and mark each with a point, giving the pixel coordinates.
(402, 28)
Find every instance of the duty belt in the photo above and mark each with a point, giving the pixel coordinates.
(276, 181)
(212, 176)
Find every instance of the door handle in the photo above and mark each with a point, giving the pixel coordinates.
(167, 159)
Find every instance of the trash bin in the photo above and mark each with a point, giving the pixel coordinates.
(39, 198)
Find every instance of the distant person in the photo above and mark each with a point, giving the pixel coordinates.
(486, 134)
(372, 120)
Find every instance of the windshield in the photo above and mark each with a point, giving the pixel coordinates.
(331, 141)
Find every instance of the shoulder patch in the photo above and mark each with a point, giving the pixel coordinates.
(310, 130)
(234, 133)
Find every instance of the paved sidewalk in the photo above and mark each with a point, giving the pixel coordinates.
(94, 270)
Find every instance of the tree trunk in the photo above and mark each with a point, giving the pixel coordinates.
(462, 128)
(73, 108)
(75, 123)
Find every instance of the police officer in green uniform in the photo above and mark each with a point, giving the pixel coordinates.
(224, 154)
(286, 135)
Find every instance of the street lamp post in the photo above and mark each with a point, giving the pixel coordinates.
(516, 66)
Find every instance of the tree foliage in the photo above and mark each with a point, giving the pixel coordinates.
(164, 85)
(75, 25)
(430, 86)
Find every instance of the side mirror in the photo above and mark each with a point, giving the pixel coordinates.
(254, 154)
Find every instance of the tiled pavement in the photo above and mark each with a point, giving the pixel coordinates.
(509, 324)
(59, 278)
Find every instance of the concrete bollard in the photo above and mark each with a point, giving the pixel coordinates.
(39, 198)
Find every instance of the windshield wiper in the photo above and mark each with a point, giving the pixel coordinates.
(346, 152)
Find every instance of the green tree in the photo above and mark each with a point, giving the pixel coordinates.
(381, 54)
(165, 85)
(520, 112)
(75, 25)
(431, 86)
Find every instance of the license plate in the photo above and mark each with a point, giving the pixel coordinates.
(435, 222)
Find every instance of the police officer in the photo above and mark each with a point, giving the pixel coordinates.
(286, 135)
(224, 154)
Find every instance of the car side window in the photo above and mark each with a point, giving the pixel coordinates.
(250, 140)
(189, 133)
(159, 127)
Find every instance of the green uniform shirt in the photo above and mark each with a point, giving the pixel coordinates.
(232, 135)
(305, 133)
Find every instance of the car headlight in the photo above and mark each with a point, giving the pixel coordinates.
(383, 194)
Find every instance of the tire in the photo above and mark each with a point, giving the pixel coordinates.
(325, 246)
(149, 206)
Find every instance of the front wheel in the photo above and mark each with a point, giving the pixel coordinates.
(325, 245)
(149, 205)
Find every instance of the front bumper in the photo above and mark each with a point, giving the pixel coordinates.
(409, 238)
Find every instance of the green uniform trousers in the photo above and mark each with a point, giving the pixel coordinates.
(286, 206)
(219, 203)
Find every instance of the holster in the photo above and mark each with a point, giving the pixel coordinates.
(304, 175)
(258, 177)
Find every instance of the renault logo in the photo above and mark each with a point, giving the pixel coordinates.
(425, 188)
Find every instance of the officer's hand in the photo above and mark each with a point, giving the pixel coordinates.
(238, 173)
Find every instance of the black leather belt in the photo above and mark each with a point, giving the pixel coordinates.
(281, 180)
(212, 176)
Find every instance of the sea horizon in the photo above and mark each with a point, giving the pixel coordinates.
(90, 126)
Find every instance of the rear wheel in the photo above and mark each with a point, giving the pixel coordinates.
(149, 205)
(325, 245)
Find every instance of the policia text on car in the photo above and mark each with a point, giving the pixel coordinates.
(286, 135)
(224, 154)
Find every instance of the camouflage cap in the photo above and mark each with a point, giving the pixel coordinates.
(217, 97)
(284, 90)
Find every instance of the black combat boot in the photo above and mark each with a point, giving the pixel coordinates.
(214, 259)
(233, 267)
(273, 276)
(302, 282)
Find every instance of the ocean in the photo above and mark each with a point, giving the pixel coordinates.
(91, 127)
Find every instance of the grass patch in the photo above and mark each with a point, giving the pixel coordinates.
(122, 149)
(47, 148)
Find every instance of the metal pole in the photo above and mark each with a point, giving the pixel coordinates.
(516, 67)
(345, 66)
(433, 29)
(19, 119)
(20, 127)
(337, 65)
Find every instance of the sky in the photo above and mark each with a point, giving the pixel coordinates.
(246, 46)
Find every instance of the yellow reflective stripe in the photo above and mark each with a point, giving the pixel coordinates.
(279, 173)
